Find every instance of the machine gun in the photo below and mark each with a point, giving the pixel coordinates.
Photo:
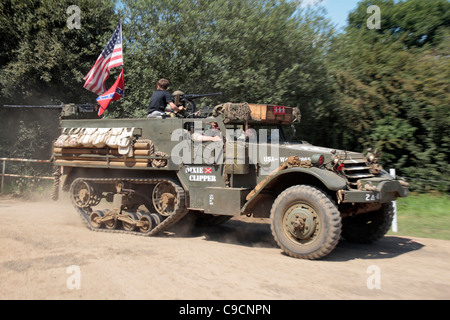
(186, 100)
(68, 111)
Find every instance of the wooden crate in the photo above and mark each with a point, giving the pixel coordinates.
(271, 113)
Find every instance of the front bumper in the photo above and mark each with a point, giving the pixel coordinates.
(385, 191)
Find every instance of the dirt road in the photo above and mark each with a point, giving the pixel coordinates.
(46, 252)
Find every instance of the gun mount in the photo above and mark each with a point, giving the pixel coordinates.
(187, 100)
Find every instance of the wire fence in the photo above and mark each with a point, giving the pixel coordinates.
(4, 174)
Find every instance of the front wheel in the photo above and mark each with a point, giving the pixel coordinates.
(305, 222)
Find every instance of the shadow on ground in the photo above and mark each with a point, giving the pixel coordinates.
(258, 234)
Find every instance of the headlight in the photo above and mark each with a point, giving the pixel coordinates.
(317, 159)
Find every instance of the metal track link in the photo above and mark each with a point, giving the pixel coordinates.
(179, 212)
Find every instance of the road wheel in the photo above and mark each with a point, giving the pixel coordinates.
(130, 226)
(112, 223)
(147, 226)
(94, 217)
(305, 222)
(368, 227)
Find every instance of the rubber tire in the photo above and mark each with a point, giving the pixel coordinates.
(112, 224)
(95, 214)
(149, 220)
(128, 227)
(329, 220)
(368, 227)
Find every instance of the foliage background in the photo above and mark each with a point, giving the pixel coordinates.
(386, 89)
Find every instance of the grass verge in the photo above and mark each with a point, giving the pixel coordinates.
(424, 215)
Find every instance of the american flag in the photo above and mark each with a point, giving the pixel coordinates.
(110, 57)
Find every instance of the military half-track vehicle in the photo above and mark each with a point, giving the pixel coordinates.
(142, 176)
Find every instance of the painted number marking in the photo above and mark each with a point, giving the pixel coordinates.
(372, 197)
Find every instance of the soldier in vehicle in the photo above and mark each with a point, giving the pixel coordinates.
(160, 99)
(249, 133)
(212, 134)
(214, 131)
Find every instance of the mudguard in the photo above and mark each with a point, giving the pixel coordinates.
(330, 179)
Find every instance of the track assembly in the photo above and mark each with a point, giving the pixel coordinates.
(125, 216)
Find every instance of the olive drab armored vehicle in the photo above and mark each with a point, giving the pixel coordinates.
(142, 176)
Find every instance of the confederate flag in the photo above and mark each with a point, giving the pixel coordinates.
(114, 93)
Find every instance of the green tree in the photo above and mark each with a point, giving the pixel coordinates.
(416, 22)
(267, 51)
(393, 85)
(43, 60)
